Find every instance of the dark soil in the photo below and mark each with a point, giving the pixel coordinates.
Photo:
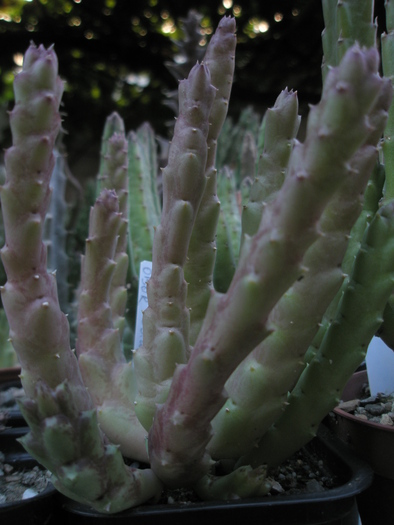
(306, 472)
(18, 483)
(8, 403)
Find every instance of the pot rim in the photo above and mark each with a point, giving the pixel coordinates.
(359, 477)
(25, 459)
(362, 377)
(10, 373)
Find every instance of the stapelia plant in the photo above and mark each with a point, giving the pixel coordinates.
(214, 371)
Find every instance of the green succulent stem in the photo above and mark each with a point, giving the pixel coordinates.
(387, 44)
(65, 436)
(281, 123)
(113, 175)
(293, 322)
(270, 262)
(109, 379)
(199, 268)
(166, 320)
(228, 232)
(343, 348)
(346, 22)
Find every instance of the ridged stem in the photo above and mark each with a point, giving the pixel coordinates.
(271, 261)
(113, 175)
(166, 320)
(281, 127)
(343, 348)
(220, 59)
(387, 43)
(65, 436)
(109, 379)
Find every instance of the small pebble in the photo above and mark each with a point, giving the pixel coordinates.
(276, 488)
(314, 486)
(369, 400)
(386, 420)
(29, 493)
(7, 468)
(375, 410)
(349, 406)
(13, 477)
(362, 416)
(29, 478)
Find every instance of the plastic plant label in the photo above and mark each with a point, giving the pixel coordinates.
(142, 301)
(380, 367)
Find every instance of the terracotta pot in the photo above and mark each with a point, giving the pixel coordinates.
(374, 443)
(371, 441)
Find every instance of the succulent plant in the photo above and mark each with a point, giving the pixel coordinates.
(190, 49)
(220, 374)
(55, 234)
(8, 356)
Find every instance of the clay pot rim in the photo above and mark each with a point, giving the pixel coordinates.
(378, 426)
(372, 424)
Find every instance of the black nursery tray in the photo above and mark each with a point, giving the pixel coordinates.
(334, 506)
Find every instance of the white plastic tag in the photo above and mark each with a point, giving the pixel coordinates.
(380, 367)
(142, 302)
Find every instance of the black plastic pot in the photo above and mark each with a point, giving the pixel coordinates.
(37, 510)
(337, 506)
(15, 429)
(10, 374)
(13, 426)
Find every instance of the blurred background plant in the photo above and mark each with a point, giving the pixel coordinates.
(114, 56)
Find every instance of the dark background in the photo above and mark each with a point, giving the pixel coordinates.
(99, 43)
